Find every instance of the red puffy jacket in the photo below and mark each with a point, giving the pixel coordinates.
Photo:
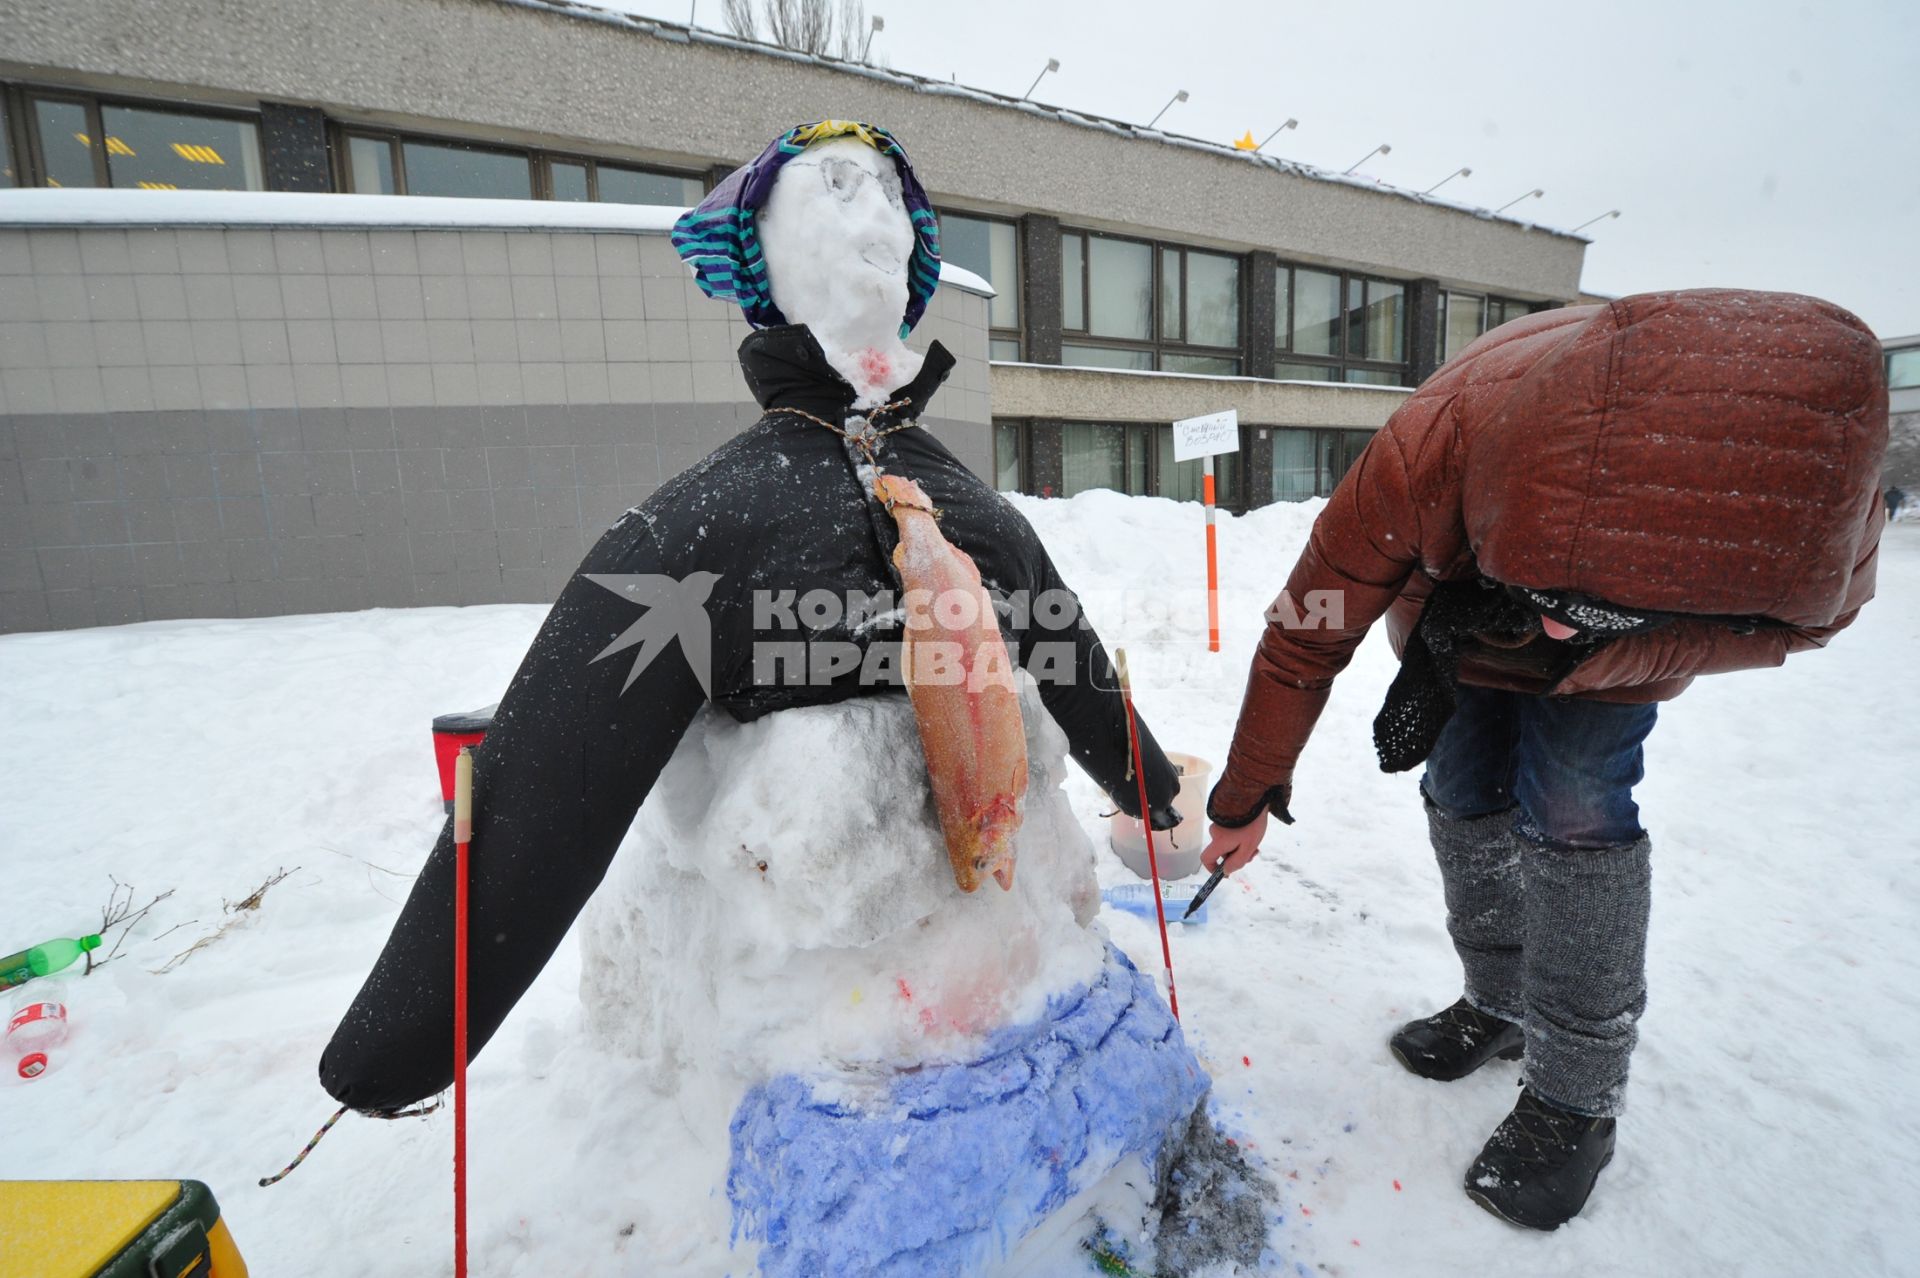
(1714, 452)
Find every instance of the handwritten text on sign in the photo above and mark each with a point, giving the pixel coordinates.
(1203, 436)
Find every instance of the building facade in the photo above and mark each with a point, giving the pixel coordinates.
(267, 413)
(1136, 277)
(1903, 402)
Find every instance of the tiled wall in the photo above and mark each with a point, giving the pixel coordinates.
(248, 422)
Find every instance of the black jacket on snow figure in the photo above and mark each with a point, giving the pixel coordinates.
(776, 512)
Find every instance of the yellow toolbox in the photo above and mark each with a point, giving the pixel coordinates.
(114, 1229)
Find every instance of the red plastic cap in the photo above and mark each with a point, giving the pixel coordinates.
(33, 1064)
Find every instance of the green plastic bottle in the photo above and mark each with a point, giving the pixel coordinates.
(43, 960)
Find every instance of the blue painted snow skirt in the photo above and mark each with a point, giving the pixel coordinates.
(962, 1160)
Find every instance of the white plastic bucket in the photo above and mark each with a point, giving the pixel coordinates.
(1178, 849)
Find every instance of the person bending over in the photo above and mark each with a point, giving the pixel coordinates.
(1564, 525)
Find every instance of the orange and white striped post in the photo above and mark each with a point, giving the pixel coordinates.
(1213, 557)
(1204, 438)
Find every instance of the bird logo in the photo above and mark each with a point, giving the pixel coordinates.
(676, 607)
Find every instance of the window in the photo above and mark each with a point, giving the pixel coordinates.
(616, 185)
(1213, 365)
(434, 168)
(84, 142)
(1132, 304)
(1099, 456)
(1310, 462)
(1137, 458)
(990, 250)
(1377, 321)
(1184, 481)
(65, 133)
(8, 175)
(1009, 456)
(371, 167)
(1375, 377)
(1330, 326)
(1212, 297)
(171, 151)
(1073, 295)
(1903, 368)
(1307, 311)
(567, 181)
(388, 164)
(1464, 316)
(1082, 356)
(1294, 474)
(1505, 311)
(1119, 284)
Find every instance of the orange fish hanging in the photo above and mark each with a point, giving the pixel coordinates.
(961, 681)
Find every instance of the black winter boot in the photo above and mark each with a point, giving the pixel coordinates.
(1540, 1164)
(1454, 1043)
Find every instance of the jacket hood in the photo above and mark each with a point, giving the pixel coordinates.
(1709, 451)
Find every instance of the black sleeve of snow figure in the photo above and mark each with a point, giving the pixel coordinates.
(1082, 693)
(566, 764)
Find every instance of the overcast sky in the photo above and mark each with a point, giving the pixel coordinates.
(1758, 144)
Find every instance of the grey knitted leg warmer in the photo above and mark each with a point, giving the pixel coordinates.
(1586, 981)
(1480, 871)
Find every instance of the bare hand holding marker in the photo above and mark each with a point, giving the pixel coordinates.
(1232, 847)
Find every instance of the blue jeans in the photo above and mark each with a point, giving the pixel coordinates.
(1545, 869)
(1569, 766)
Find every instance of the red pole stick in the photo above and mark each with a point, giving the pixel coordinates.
(1146, 824)
(462, 838)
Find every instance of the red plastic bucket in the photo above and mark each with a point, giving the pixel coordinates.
(450, 733)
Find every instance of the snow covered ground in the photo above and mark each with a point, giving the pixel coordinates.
(1772, 1115)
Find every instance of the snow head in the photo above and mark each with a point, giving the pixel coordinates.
(828, 228)
(838, 244)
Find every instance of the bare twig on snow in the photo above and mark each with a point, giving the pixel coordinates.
(118, 912)
(238, 909)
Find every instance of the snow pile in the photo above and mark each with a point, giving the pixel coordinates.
(783, 918)
(1767, 1129)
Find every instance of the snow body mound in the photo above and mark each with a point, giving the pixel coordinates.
(943, 1169)
(785, 901)
(782, 947)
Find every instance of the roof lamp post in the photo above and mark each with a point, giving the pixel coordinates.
(1290, 124)
(1534, 194)
(1590, 221)
(1460, 172)
(1382, 149)
(1053, 64)
(879, 24)
(1181, 96)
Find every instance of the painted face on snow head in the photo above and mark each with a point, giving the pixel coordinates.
(838, 242)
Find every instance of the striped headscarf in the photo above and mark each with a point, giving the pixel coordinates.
(719, 241)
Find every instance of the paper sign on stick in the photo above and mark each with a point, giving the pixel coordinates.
(1204, 436)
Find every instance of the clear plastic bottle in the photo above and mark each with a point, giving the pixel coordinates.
(37, 1025)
